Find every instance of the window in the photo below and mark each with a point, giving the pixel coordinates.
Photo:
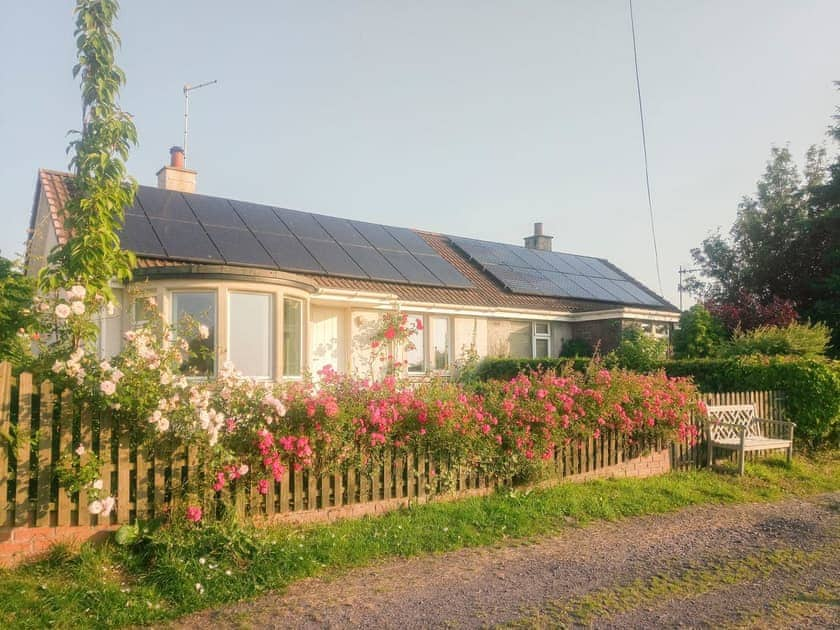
(250, 324)
(416, 357)
(145, 307)
(541, 339)
(440, 343)
(194, 315)
(292, 337)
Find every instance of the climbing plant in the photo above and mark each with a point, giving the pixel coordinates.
(100, 188)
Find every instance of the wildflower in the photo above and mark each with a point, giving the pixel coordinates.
(194, 514)
(62, 311)
(199, 588)
(77, 307)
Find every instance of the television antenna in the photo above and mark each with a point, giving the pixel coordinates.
(187, 89)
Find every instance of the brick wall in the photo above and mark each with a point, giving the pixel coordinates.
(19, 543)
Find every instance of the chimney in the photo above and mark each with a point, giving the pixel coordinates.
(175, 176)
(538, 240)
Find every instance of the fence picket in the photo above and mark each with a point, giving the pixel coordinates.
(65, 503)
(123, 493)
(24, 445)
(5, 431)
(45, 456)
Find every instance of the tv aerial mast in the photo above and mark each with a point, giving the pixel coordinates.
(187, 89)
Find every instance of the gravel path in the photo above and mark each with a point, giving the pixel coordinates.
(755, 565)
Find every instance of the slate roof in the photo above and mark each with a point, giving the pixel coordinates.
(484, 292)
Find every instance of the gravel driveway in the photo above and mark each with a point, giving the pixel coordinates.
(766, 565)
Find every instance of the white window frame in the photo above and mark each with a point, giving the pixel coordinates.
(423, 336)
(431, 325)
(216, 318)
(271, 326)
(539, 335)
(304, 320)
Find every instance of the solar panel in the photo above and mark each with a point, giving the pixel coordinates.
(333, 258)
(213, 211)
(260, 218)
(378, 236)
(533, 259)
(603, 270)
(566, 285)
(185, 240)
(302, 224)
(239, 246)
(443, 270)
(410, 268)
(597, 291)
(164, 204)
(615, 289)
(341, 230)
(411, 240)
(523, 280)
(288, 254)
(138, 236)
(373, 263)
(644, 297)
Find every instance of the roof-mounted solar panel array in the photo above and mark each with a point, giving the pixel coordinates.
(555, 274)
(191, 227)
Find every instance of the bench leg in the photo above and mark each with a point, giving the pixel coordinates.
(790, 453)
(741, 462)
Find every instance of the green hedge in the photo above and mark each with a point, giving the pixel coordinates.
(505, 369)
(811, 387)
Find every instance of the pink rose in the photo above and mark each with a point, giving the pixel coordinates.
(193, 513)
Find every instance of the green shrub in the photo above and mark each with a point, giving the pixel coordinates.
(699, 334)
(577, 348)
(805, 340)
(504, 369)
(637, 351)
(811, 387)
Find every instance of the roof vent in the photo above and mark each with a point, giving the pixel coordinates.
(538, 240)
(175, 176)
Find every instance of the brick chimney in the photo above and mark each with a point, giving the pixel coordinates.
(538, 240)
(175, 176)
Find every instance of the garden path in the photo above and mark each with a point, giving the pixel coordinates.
(752, 565)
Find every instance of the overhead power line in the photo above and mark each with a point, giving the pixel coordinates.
(644, 148)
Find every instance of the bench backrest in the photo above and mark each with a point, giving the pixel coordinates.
(741, 415)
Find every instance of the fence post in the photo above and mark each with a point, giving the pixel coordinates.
(45, 458)
(23, 451)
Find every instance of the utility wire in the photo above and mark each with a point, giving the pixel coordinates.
(644, 148)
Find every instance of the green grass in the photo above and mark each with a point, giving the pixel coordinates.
(110, 586)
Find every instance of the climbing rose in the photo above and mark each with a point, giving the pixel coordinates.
(107, 387)
(203, 331)
(62, 311)
(77, 307)
(193, 513)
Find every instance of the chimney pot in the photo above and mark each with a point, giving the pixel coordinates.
(176, 157)
(538, 240)
(538, 229)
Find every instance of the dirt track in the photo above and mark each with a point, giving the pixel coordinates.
(758, 565)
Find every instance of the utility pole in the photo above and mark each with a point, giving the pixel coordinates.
(683, 271)
(187, 89)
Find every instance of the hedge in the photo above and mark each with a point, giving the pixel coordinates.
(811, 387)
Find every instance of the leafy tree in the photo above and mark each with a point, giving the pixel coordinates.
(638, 351)
(101, 188)
(699, 334)
(16, 292)
(746, 311)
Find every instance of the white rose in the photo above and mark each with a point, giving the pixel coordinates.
(203, 331)
(116, 375)
(110, 309)
(98, 484)
(107, 505)
(57, 367)
(95, 507)
(165, 378)
(77, 307)
(105, 366)
(163, 425)
(107, 387)
(77, 292)
(62, 311)
(80, 450)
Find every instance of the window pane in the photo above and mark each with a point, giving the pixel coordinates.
(540, 328)
(416, 358)
(541, 348)
(250, 333)
(440, 343)
(144, 310)
(194, 314)
(292, 337)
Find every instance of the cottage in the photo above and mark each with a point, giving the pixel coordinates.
(284, 291)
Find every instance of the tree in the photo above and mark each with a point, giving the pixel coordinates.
(16, 293)
(699, 334)
(100, 188)
(746, 312)
(638, 351)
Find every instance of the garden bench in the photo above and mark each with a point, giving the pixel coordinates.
(736, 428)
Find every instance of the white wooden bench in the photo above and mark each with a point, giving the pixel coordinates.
(736, 428)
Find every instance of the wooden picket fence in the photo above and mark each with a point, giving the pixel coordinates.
(42, 424)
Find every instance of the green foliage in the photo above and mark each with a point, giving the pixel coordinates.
(504, 368)
(804, 340)
(811, 387)
(699, 334)
(16, 292)
(637, 351)
(100, 189)
(577, 348)
(148, 583)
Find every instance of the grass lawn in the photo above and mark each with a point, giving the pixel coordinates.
(180, 572)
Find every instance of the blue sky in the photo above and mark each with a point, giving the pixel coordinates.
(474, 118)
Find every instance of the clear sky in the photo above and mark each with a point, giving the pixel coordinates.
(468, 117)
